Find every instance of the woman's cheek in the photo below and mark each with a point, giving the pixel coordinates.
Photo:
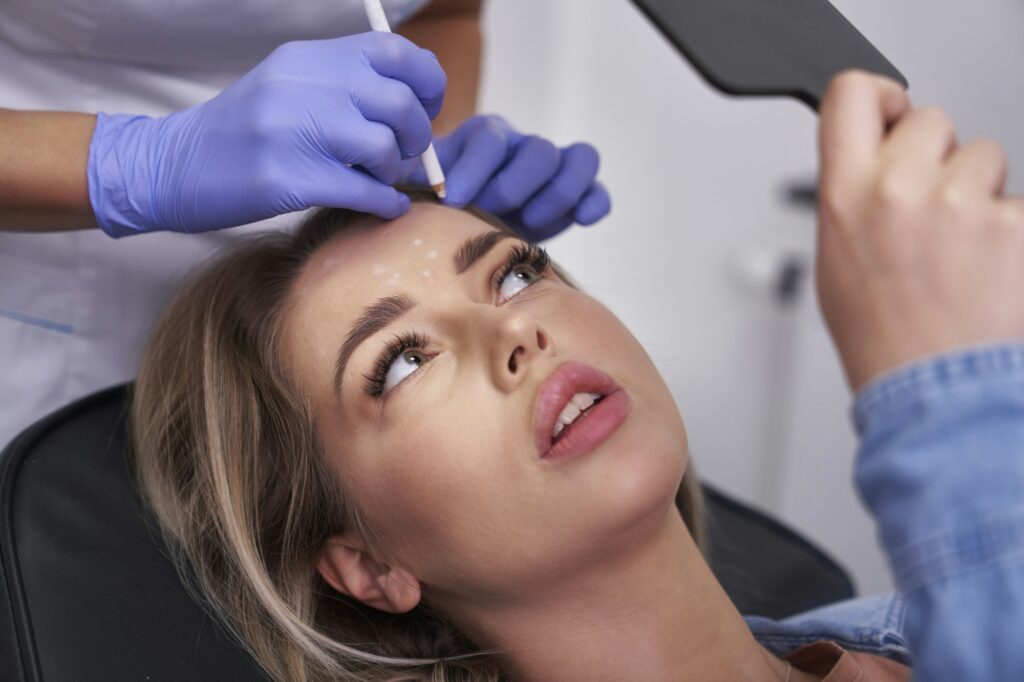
(418, 475)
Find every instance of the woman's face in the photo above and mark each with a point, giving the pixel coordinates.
(454, 363)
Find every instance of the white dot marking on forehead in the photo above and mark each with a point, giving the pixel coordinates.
(379, 269)
(426, 273)
(417, 242)
(431, 254)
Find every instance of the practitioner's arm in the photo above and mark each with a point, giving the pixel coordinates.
(920, 262)
(43, 155)
(451, 30)
(43, 159)
(316, 123)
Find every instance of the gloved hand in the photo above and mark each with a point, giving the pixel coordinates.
(535, 187)
(317, 123)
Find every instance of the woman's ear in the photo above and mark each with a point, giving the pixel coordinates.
(352, 571)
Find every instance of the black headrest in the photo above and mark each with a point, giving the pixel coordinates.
(92, 594)
(87, 592)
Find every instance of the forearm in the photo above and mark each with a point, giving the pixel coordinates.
(43, 157)
(941, 468)
(451, 30)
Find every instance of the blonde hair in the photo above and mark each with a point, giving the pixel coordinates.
(226, 456)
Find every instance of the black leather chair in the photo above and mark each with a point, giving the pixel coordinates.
(87, 593)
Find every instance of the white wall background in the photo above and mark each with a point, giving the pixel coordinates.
(697, 184)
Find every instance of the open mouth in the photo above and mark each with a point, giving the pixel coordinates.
(577, 408)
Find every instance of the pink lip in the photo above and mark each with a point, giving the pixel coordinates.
(588, 432)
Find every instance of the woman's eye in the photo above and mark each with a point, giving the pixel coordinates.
(401, 367)
(518, 278)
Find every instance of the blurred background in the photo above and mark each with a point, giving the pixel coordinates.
(707, 253)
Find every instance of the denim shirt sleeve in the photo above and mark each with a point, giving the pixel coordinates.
(872, 625)
(941, 467)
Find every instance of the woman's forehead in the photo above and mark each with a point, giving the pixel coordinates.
(428, 234)
(411, 256)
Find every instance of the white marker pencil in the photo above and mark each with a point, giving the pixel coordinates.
(435, 176)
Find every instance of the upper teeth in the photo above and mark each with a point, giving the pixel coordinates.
(579, 404)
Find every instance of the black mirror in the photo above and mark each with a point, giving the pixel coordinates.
(766, 47)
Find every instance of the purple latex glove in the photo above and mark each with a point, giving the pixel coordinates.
(526, 180)
(317, 123)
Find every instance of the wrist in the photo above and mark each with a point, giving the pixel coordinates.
(118, 174)
(892, 346)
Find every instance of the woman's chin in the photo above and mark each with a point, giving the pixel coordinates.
(647, 491)
(640, 477)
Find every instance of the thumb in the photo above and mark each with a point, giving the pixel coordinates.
(448, 148)
(856, 112)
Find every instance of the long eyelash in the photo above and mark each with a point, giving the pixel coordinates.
(521, 254)
(374, 385)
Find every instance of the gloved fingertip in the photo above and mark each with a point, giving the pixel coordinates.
(403, 202)
(454, 199)
(593, 209)
(597, 204)
(433, 107)
(545, 232)
(394, 208)
(586, 218)
(532, 218)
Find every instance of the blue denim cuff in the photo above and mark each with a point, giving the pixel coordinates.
(871, 625)
(888, 398)
(941, 462)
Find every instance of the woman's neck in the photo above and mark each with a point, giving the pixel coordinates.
(655, 612)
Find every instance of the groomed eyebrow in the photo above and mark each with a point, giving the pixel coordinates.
(475, 248)
(386, 310)
(376, 317)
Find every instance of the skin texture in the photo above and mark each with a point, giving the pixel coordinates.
(43, 157)
(532, 557)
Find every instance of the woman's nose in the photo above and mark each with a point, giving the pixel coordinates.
(520, 340)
